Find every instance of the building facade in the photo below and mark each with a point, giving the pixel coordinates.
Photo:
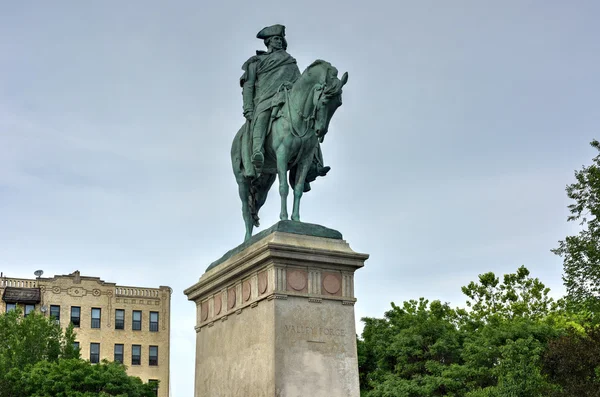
(117, 323)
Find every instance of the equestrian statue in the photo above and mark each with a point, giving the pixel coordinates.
(287, 116)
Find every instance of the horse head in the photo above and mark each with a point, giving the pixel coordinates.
(326, 101)
(326, 89)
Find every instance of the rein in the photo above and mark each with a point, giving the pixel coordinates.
(307, 119)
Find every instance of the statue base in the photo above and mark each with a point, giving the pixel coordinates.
(275, 318)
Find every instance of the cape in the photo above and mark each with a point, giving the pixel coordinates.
(272, 69)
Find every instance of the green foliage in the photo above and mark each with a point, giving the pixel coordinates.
(27, 340)
(78, 378)
(38, 359)
(573, 362)
(494, 347)
(581, 253)
(407, 352)
(69, 349)
(517, 296)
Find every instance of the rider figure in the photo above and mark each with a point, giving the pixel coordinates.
(263, 76)
(264, 73)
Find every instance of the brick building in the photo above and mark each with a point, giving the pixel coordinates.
(117, 323)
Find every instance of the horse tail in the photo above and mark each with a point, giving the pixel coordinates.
(253, 203)
(237, 164)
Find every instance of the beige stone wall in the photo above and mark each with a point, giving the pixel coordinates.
(236, 355)
(91, 292)
(315, 348)
(277, 319)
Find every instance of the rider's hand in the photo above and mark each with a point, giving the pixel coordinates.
(248, 114)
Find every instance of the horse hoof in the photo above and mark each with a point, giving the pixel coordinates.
(283, 217)
(296, 218)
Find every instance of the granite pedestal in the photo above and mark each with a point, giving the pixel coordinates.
(275, 317)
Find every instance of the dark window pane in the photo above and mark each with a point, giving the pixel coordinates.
(10, 306)
(119, 353)
(119, 319)
(55, 312)
(96, 313)
(153, 355)
(75, 316)
(29, 309)
(136, 354)
(94, 353)
(154, 321)
(136, 324)
(76, 345)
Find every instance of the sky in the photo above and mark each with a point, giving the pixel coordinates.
(462, 123)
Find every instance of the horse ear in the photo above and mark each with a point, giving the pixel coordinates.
(344, 78)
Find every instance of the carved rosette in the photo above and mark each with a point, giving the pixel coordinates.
(204, 311)
(217, 304)
(246, 290)
(263, 282)
(297, 280)
(332, 284)
(231, 298)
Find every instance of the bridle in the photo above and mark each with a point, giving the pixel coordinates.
(309, 121)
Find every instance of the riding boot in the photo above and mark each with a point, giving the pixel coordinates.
(258, 139)
(258, 160)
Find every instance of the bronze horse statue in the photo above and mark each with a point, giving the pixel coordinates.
(300, 125)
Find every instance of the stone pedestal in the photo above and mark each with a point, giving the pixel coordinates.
(275, 318)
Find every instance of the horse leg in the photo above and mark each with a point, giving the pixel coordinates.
(301, 172)
(284, 188)
(244, 192)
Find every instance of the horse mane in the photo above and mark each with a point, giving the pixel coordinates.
(319, 62)
(334, 86)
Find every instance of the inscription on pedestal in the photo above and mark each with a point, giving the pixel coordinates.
(314, 331)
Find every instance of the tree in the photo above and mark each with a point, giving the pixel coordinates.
(518, 296)
(79, 378)
(27, 340)
(573, 362)
(405, 354)
(581, 253)
(494, 348)
(38, 359)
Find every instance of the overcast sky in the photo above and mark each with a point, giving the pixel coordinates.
(462, 123)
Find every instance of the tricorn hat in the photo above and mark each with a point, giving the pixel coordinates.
(270, 31)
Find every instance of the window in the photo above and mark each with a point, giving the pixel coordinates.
(96, 312)
(119, 353)
(76, 346)
(55, 312)
(153, 355)
(154, 383)
(136, 325)
(119, 319)
(136, 354)
(154, 321)
(94, 353)
(75, 316)
(29, 309)
(11, 306)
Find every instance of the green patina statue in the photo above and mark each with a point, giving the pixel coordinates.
(287, 116)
